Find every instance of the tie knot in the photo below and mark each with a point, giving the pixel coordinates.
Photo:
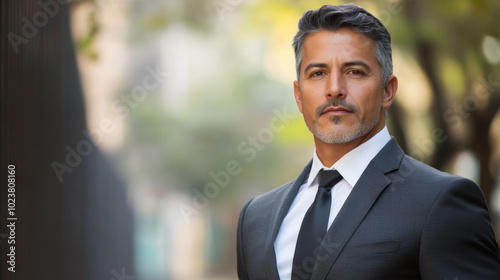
(328, 178)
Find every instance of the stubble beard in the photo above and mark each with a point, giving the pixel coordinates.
(335, 134)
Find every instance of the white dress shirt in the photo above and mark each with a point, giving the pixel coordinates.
(350, 166)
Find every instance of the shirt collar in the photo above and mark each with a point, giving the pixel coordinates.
(354, 163)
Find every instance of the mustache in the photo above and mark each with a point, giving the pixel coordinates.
(336, 103)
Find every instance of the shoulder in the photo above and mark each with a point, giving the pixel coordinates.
(426, 188)
(261, 207)
(412, 171)
(457, 221)
(409, 173)
(256, 215)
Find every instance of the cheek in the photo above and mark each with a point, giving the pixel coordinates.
(308, 109)
(309, 103)
(370, 99)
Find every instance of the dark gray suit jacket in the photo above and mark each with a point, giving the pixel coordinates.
(402, 220)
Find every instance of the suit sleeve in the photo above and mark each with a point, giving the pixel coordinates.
(458, 241)
(241, 264)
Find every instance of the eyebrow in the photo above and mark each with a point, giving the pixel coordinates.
(346, 64)
(319, 65)
(357, 63)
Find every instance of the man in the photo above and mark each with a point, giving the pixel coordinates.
(361, 209)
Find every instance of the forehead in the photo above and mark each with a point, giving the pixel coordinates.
(341, 44)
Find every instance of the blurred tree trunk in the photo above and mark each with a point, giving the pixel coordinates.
(443, 151)
(77, 226)
(481, 120)
(396, 117)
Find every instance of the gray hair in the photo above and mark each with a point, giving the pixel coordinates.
(350, 16)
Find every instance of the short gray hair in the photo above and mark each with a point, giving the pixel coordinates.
(350, 16)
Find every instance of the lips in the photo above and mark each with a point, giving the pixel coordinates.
(336, 110)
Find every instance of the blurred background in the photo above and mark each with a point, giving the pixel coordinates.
(139, 128)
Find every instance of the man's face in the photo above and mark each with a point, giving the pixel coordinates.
(340, 92)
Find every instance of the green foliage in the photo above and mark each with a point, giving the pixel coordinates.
(85, 44)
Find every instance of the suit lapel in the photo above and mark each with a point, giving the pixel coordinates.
(283, 202)
(364, 194)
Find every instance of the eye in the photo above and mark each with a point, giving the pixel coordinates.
(317, 73)
(356, 72)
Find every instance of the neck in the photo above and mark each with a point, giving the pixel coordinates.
(329, 154)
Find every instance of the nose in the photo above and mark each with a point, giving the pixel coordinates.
(335, 86)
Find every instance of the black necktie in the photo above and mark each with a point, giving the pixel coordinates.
(314, 226)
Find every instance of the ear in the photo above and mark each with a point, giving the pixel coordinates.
(298, 95)
(391, 86)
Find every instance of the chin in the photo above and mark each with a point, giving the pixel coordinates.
(339, 133)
